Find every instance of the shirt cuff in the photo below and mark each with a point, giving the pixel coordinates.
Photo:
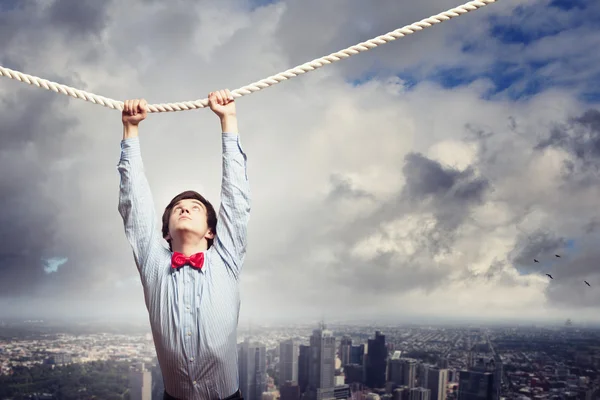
(130, 147)
(231, 143)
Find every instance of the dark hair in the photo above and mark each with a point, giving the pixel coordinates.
(211, 215)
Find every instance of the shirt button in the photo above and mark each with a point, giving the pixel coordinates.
(192, 359)
(194, 382)
(189, 333)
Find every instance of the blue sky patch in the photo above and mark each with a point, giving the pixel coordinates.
(51, 265)
(516, 71)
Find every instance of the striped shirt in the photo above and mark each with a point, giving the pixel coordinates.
(193, 313)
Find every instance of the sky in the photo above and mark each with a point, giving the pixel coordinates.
(417, 181)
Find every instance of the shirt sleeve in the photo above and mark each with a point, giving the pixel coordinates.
(136, 207)
(234, 213)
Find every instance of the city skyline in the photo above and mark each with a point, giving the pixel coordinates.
(449, 363)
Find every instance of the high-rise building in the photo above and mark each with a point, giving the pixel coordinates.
(376, 362)
(420, 394)
(252, 364)
(395, 371)
(402, 371)
(401, 393)
(437, 379)
(303, 367)
(140, 383)
(346, 350)
(409, 369)
(288, 361)
(289, 391)
(475, 385)
(357, 354)
(321, 370)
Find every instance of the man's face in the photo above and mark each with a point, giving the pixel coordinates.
(189, 216)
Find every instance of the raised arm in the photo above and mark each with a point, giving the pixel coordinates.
(234, 212)
(136, 205)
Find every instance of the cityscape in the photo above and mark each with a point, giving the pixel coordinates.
(317, 361)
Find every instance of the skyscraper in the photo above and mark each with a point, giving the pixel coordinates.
(140, 383)
(436, 382)
(288, 361)
(409, 369)
(376, 361)
(402, 371)
(303, 367)
(346, 350)
(289, 391)
(420, 394)
(321, 371)
(475, 385)
(395, 371)
(252, 363)
(357, 354)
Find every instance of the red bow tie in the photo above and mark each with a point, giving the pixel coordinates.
(179, 260)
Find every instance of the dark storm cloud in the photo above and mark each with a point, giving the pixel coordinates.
(539, 245)
(78, 17)
(425, 178)
(580, 137)
(30, 133)
(568, 287)
(75, 19)
(452, 192)
(35, 144)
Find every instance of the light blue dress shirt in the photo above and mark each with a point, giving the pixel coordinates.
(193, 313)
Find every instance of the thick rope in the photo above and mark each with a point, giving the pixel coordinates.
(264, 83)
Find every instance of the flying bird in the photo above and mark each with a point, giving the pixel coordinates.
(550, 276)
(535, 260)
(557, 255)
(586, 282)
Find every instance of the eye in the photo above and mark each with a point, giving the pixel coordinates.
(196, 208)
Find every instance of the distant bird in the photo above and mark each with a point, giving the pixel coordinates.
(535, 260)
(550, 276)
(586, 282)
(557, 255)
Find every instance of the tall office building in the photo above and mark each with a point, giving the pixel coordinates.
(289, 391)
(357, 354)
(376, 362)
(420, 394)
(288, 361)
(423, 374)
(402, 371)
(409, 368)
(475, 385)
(346, 350)
(401, 393)
(395, 371)
(303, 367)
(140, 383)
(321, 369)
(437, 379)
(252, 364)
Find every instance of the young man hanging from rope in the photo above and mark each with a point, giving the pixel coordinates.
(191, 290)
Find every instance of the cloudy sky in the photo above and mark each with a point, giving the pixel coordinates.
(418, 180)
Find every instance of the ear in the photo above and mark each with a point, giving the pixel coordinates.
(168, 237)
(209, 235)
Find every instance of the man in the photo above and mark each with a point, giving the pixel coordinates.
(191, 289)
